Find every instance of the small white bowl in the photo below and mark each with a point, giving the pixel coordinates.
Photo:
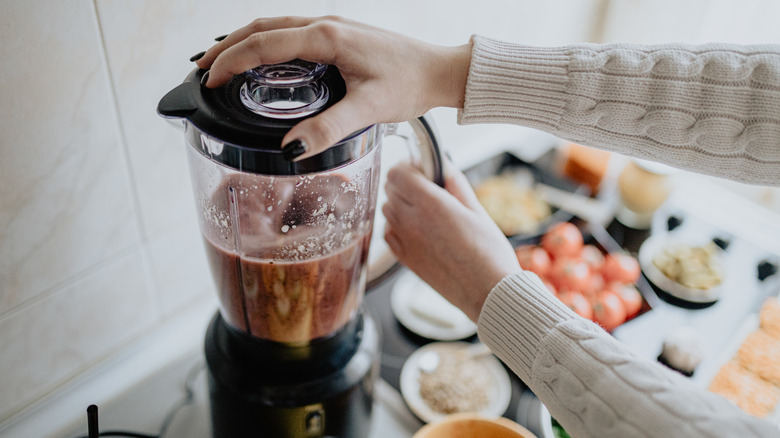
(653, 246)
(499, 391)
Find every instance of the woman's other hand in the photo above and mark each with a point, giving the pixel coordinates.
(446, 237)
(390, 77)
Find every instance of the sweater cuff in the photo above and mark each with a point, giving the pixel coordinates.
(512, 83)
(518, 313)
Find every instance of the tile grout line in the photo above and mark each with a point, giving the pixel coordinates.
(86, 273)
(146, 258)
(47, 293)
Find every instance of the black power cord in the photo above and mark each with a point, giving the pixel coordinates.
(123, 433)
(186, 400)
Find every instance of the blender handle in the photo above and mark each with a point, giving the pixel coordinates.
(431, 163)
(431, 159)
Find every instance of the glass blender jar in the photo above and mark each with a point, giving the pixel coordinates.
(290, 352)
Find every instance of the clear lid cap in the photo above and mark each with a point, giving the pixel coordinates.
(283, 91)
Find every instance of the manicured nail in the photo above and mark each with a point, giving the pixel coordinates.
(197, 56)
(293, 150)
(220, 38)
(204, 79)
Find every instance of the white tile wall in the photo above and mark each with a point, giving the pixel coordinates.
(179, 268)
(453, 22)
(693, 21)
(98, 241)
(48, 341)
(66, 201)
(73, 286)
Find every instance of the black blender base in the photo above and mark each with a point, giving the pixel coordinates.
(344, 415)
(255, 395)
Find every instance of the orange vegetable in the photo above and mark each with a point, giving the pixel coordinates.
(608, 310)
(620, 267)
(570, 274)
(563, 240)
(533, 258)
(630, 296)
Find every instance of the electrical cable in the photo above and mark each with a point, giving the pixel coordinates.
(188, 399)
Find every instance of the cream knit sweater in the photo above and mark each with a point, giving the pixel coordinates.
(713, 109)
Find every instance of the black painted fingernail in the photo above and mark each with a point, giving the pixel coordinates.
(204, 79)
(197, 56)
(220, 38)
(293, 150)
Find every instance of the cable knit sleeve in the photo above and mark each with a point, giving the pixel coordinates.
(713, 108)
(590, 382)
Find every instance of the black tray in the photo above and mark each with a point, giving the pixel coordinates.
(542, 172)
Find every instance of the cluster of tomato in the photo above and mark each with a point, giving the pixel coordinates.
(597, 286)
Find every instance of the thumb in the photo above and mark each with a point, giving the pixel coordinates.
(316, 134)
(458, 185)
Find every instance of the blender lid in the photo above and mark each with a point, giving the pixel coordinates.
(252, 112)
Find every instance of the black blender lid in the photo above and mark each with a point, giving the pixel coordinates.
(251, 137)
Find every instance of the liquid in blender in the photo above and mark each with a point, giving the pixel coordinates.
(296, 268)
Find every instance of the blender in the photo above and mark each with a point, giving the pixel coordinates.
(291, 352)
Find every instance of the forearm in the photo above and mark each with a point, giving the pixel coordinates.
(592, 383)
(712, 109)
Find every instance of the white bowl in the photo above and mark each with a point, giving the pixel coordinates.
(499, 390)
(653, 246)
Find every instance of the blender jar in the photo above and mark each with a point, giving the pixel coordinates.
(287, 242)
(288, 253)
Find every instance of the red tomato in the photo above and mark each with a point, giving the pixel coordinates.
(576, 302)
(595, 285)
(608, 310)
(620, 267)
(570, 274)
(533, 258)
(563, 240)
(630, 296)
(593, 257)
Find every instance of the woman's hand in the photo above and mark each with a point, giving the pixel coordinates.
(390, 77)
(446, 237)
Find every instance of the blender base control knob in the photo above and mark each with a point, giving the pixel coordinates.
(314, 421)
